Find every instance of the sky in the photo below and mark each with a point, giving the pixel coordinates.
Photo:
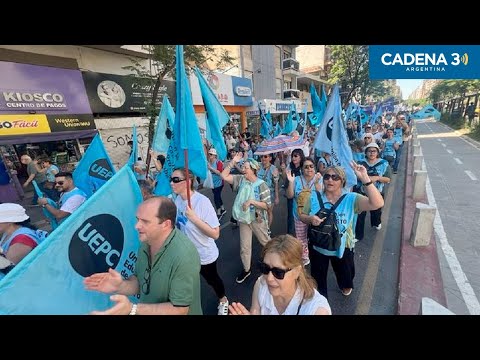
(407, 86)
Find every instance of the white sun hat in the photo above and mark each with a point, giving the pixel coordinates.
(14, 213)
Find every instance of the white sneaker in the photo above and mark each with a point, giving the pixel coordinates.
(222, 308)
(379, 227)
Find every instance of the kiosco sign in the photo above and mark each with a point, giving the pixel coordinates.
(25, 87)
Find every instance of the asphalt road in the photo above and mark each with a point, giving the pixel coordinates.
(453, 167)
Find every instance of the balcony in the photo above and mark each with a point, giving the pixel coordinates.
(290, 94)
(290, 67)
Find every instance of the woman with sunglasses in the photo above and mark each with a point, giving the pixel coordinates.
(342, 259)
(300, 189)
(295, 167)
(285, 288)
(201, 225)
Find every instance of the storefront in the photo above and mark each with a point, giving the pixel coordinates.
(278, 110)
(44, 111)
(118, 102)
(234, 93)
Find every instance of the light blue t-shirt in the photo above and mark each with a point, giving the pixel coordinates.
(346, 214)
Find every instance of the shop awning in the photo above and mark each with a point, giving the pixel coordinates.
(38, 138)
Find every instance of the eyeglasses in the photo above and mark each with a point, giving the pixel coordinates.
(309, 166)
(334, 177)
(265, 156)
(176, 180)
(276, 272)
(371, 151)
(146, 278)
(59, 182)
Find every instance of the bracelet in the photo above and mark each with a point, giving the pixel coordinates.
(134, 310)
(368, 183)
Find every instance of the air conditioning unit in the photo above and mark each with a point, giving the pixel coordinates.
(291, 94)
(291, 64)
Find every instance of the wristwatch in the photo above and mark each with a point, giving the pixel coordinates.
(134, 310)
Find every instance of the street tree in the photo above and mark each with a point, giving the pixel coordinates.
(161, 64)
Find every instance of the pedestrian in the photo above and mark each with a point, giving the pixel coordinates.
(350, 203)
(167, 272)
(70, 199)
(250, 209)
(202, 226)
(285, 287)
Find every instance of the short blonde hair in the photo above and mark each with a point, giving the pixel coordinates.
(340, 171)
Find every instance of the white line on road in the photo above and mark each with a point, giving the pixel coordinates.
(439, 140)
(444, 145)
(460, 278)
(458, 161)
(449, 151)
(470, 175)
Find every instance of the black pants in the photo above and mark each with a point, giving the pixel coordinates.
(344, 269)
(290, 218)
(217, 197)
(210, 274)
(375, 220)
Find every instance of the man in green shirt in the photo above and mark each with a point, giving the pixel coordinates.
(167, 272)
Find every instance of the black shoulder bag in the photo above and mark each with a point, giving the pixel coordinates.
(326, 235)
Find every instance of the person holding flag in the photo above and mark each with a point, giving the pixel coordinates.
(71, 198)
(167, 271)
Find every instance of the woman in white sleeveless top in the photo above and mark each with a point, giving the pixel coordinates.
(285, 288)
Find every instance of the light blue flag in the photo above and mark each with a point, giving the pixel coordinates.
(426, 112)
(332, 137)
(186, 135)
(278, 129)
(363, 115)
(316, 102)
(324, 103)
(134, 155)
(52, 219)
(99, 235)
(94, 168)
(216, 116)
(161, 140)
(290, 122)
(378, 114)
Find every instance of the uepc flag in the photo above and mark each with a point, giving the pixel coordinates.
(99, 235)
(94, 168)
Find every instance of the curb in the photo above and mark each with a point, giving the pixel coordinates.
(419, 273)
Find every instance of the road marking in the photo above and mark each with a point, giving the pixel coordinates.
(365, 298)
(449, 151)
(464, 286)
(444, 145)
(459, 162)
(470, 175)
(439, 140)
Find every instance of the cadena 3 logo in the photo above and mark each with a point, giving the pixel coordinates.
(97, 245)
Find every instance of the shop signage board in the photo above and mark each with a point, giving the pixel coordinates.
(26, 88)
(110, 93)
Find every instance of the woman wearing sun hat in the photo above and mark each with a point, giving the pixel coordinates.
(17, 236)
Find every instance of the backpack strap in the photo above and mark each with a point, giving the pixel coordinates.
(332, 209)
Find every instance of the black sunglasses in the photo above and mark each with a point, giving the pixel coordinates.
(334, 177)
(309, 166)
(146, 278)
(276, 272)
(59, 182)
(176, 180)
